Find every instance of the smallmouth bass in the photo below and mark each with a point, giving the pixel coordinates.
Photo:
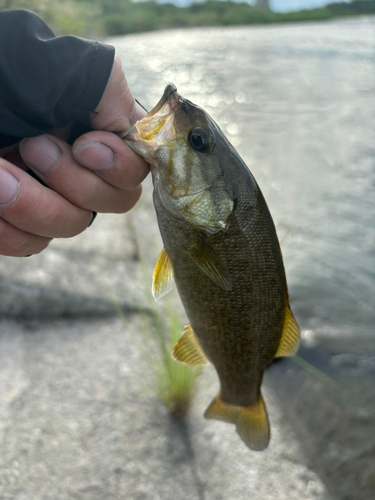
(221, 249)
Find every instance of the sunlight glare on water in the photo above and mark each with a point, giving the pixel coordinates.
(298, 103)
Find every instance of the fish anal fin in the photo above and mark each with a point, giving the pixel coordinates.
(188, 350)
(210, 263)
(290, 336)
(162, 279)
(251, 421)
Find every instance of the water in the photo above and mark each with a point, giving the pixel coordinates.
(298, 103)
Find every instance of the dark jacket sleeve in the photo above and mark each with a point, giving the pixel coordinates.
(46, 81)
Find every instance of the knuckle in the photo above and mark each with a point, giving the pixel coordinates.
(87, 196)
(64, 220)
(51, 215)
(90, 194)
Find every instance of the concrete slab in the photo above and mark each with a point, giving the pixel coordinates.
(80, 415)
(80, 419)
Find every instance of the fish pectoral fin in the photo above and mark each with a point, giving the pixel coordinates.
(210, 263)
(290, 336)
(188, 350)
(162, 279)
(251, 421)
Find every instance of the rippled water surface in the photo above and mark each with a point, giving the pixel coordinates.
(298, 102)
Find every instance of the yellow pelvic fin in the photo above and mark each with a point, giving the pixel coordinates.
(290, 336)
(210, 263)
(188, 350)
(162, 279)
(251, 421)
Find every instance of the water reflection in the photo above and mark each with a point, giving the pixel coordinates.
(298, 103)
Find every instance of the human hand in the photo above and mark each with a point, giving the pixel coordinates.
(98, 173)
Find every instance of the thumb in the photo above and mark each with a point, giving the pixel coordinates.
(117, 110)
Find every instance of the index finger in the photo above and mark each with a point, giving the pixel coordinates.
(110, 158)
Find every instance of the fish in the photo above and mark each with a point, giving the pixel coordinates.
(221, 250)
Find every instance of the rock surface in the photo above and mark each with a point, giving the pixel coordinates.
(79, 413)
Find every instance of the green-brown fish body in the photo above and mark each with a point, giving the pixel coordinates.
(222, 249)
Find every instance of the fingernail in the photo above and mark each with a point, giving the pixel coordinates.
(137, 114)
(40, 153)
(9, 188)
(94, 155)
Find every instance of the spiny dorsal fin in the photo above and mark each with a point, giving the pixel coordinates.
(210, 263)
(290, 336)
(251, 421)
(188, 350)
(162, 279)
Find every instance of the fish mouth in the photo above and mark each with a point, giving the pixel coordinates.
(156, 129)
(169, 97)
(158, 123)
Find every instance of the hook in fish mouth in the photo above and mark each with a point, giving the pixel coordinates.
(170, 95)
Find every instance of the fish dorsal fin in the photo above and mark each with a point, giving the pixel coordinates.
(188, 350)
(210, 263)
(251, 421)
(162, 279)
(290, 336)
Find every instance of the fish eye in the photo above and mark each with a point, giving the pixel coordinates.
(200, 139)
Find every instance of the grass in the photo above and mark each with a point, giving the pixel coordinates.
(175, 383)
(319, 374)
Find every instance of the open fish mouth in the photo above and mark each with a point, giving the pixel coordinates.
(158, 123)
(169, 97)
(152, 124)
(156, 128)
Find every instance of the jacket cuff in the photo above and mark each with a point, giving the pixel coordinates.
(97, 78)
(96, 82)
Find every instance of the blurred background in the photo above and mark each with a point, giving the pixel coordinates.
(91, 405)
(117, 17)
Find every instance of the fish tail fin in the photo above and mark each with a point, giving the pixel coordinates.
(251, 421)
